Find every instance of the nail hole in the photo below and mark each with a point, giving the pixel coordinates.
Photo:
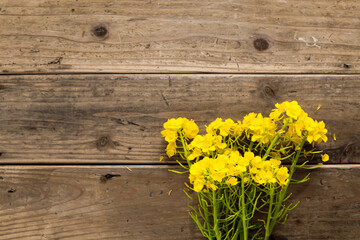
(104, 178)
(11, 190)
(346, 66)
(261, 44)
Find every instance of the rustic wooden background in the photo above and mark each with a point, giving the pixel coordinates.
(85, 87)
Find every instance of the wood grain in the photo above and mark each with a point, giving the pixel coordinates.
(187, 36)
(118, 118)
(80, 202)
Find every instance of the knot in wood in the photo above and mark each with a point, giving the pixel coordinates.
(261, 44)
(103, 141)
(349, 149)
(100, 31)
(269, 92)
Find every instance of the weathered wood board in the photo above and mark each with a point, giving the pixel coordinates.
(118, 118)
(124, 68)
(111, 202)
(188, 36)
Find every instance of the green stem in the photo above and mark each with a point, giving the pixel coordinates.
(269, 217)
(184, 147)
(243, 209)
(215, 216)
(273, 142)
(251, 145)
(283, 191)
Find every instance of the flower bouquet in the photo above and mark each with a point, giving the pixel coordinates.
(237, 169)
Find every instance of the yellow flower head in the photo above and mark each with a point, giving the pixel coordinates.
(232, 181)
(325, 157)
(282, 176)
(169, 135)
(224, 128)
(261, 129)
(171, 149)
(190, 129)
(316, 131)
(174, 124)
(292, 109)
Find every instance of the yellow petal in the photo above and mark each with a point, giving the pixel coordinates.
(318, 107)
(334, 137)
(161, 158)
(325, 157)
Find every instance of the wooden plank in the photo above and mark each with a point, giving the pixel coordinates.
(80, 202)
(246, 36)
(118, 118)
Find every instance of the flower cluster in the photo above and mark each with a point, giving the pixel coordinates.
(188, 129)
(243, 162)
(230, 167)
(216, 154)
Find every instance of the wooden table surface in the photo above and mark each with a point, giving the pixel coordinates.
(85, 87)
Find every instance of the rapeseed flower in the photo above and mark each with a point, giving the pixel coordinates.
(236, 167)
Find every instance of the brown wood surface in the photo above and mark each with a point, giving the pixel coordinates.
(111, 202)
(290, 36)
(258, 52)
(118, 118)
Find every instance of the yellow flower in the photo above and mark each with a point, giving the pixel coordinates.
(254, 170)
(217, 124)
(234, 157)
(232, 181)
(207, 145)
(197, 142)
(267, 166)
(275, 114)
(282, 176)
(325, 157)
(224, 127)
(238, 128)
(227, 127)
(292, 109)
(275, 162)
(264, 177)
(190, 129)
(170, 135)
(316, 131)
(219, 145)
(211, 185)
(171, 149)
(262, 129)
(238, 170)
(196, 153)
(198, 184)
(174, 124)
(256, 162)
